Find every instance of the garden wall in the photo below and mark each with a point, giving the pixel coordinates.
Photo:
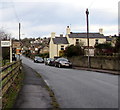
(108, 62)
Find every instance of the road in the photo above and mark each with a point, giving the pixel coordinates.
(79, 88)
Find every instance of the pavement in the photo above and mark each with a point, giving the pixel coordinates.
(98, 70)
(33, 93)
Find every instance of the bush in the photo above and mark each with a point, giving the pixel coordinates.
(74, 51)
(44, 55)
(104, 49)
(117, 45)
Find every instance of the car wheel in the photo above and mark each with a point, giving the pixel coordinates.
(59, 66)
(55, 65)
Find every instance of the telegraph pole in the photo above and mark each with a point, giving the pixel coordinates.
(19, 31)
(19, 37)
(87, 13)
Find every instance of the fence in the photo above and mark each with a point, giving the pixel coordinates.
(9, 74)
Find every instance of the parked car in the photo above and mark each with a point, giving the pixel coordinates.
(52, 62)
(48, 61)
(38, 59)
(63, 62)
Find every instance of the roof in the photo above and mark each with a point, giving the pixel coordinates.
(84, 35)
(60, 40)
(110, 38)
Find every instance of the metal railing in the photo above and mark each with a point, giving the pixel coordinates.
(8, 74)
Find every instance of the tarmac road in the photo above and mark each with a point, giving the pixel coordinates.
(79, 88)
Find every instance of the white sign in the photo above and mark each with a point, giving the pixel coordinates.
(5, 43)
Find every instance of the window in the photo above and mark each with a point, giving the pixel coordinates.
(62, 47)
(77, 41)
(96, 41)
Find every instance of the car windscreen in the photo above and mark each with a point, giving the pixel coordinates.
(63, 59)
(39, 58)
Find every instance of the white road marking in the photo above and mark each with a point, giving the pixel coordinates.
(47, 82)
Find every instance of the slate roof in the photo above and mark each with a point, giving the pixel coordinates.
(84, 35)
(112, 37)
(60, 40)
(108, 38)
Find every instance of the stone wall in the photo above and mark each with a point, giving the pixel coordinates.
(108, 63)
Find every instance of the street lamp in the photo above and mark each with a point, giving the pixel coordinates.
(87, 13)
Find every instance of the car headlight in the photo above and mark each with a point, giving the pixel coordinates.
(62, 63)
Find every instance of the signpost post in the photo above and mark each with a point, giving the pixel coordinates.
(11, 51)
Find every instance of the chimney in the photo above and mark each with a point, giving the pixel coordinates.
(53, 35)
(61, 35)
(110, 36)
(68, 30)
(101, 31)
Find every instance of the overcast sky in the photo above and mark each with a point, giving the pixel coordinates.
(39, 18)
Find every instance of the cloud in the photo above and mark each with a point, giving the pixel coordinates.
(41, 17)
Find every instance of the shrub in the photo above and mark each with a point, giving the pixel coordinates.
(74, 51)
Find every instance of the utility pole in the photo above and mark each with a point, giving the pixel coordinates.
(87, 13)
(19, 37)
(19, 31)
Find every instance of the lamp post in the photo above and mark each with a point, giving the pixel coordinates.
(87, 13)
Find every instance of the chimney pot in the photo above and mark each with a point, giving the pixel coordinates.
(53, 35)
(101, 31)
(61, 35)
(68, 30)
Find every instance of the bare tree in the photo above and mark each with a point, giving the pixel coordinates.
(4, 35)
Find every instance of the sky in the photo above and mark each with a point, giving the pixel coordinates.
(39, 18)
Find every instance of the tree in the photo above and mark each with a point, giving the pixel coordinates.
(4, 35)
(74, 51)
(5, 50)
(104, 48)
(117, 45)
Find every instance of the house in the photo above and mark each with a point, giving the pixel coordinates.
(71, 38)
(56, 44)
(111, 39)
(81, 38)
(44, 49)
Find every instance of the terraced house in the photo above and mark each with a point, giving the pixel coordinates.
(58, 43)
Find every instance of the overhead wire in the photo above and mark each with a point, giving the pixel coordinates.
(15, 12)
(91, 4)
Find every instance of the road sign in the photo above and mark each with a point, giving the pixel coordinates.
(5, 43)
(16, 45)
